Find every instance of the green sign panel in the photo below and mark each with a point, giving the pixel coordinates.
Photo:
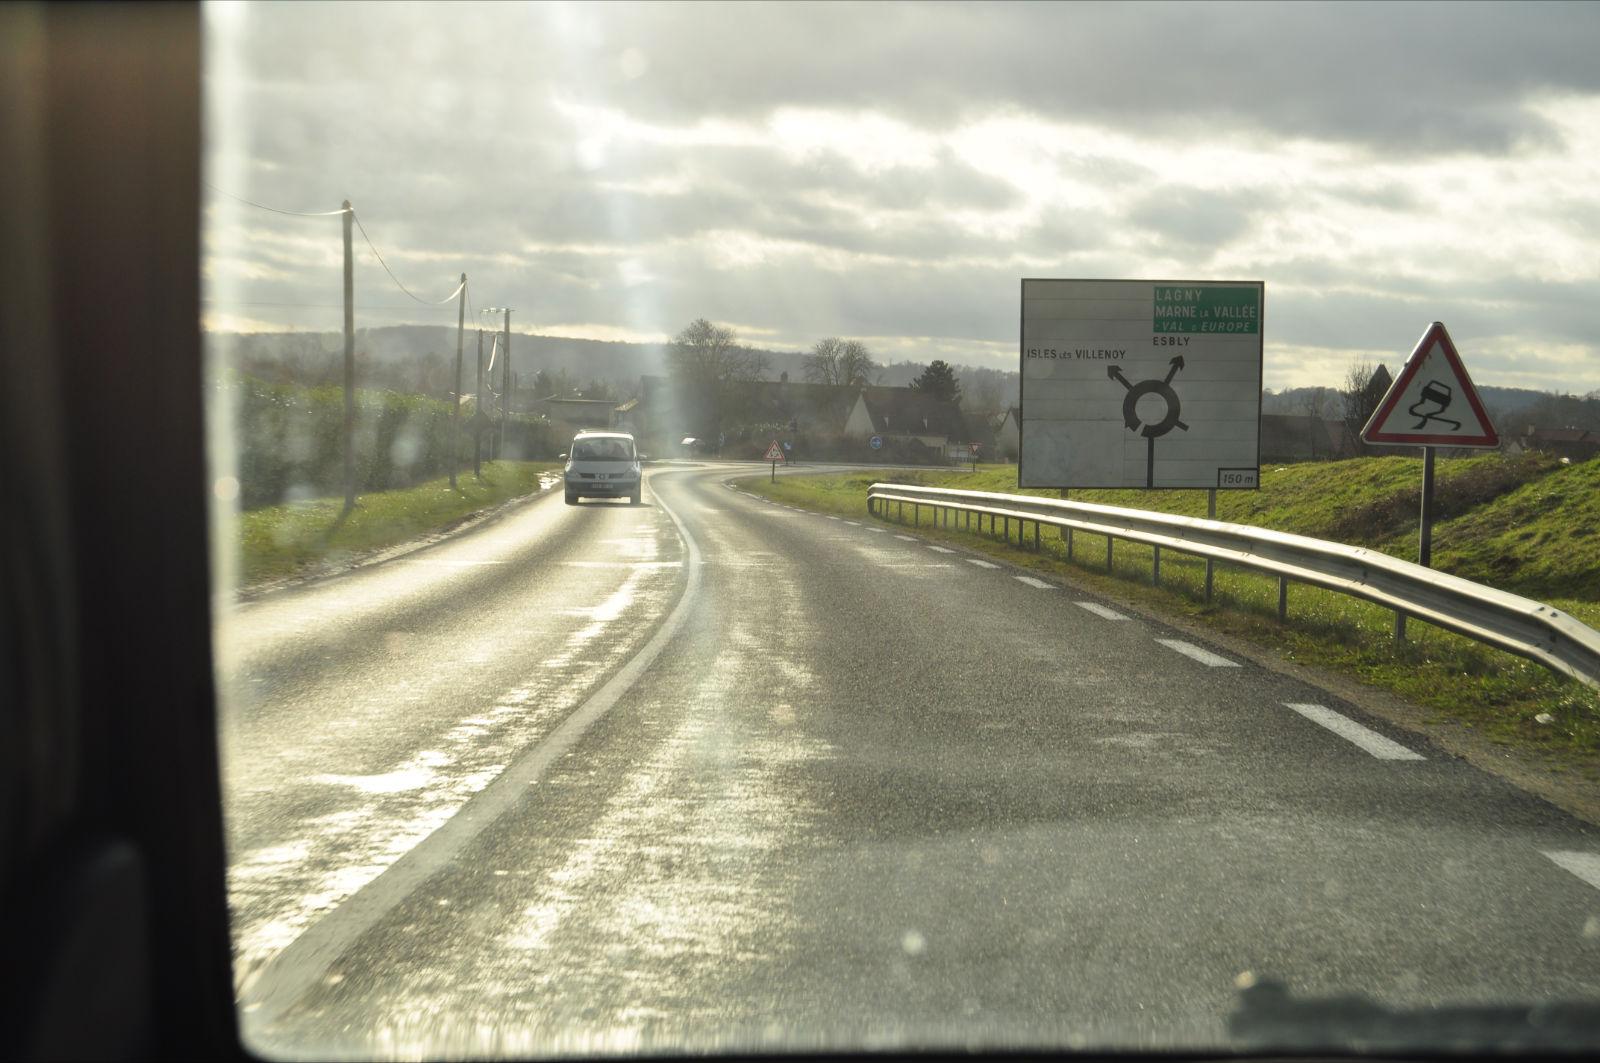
(1204, 309)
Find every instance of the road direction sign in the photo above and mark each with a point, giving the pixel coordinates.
(774, 452)
(876, 442)
(1432, 402)
(1141, 383)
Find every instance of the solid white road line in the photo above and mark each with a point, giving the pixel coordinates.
(1585, 865)
(1348, 729)
(1190, 650)
(275, 987)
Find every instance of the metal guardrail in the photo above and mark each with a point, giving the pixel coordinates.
(1508, 621)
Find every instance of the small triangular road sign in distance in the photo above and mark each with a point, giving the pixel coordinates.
(1432, 402)
(774, 452)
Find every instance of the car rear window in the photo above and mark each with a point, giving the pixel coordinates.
(602, 450)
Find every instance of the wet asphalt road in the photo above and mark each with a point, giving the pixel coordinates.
(711, 773)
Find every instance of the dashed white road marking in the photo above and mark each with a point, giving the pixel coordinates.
(941, 549)
(879, 531)
(981, 563)
(908, 538)
(1100, 610)
(853, 523)
(1041, 584)
(1190, 650)
(1346, 728)
(1585, 865)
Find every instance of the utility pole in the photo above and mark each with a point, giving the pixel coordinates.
(499, 438)
(349, 366)
(477, 413)
(455, 388)
(505, 402)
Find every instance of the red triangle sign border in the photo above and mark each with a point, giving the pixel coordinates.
(1377, 428)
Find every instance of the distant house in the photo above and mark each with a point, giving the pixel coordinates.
(905, 413)
(1574, 444)
(978, 429)
(571, 414)
(814, 410)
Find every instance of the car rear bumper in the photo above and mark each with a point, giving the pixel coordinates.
(602, 488)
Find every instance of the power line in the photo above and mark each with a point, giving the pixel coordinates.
(390, 272)
(308, 306)
(276, 210)
(364, 236)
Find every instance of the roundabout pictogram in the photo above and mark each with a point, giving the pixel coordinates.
(1154, 429)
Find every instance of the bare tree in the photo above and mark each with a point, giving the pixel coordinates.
(985, 397)
(1314, 402)
(1363, 389)
(846, 363)
(711, 371)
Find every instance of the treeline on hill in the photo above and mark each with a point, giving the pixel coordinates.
(290, 440)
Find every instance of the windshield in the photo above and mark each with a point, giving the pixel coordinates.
(602, 450)
(725, 755)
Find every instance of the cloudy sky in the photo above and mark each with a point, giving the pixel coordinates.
(889, 172)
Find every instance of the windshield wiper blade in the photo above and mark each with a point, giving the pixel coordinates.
(1269, 1015)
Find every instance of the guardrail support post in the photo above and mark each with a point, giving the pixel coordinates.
(916, 516)
(1008, 531)
(1036, 537)
(1283, 599)
(1155, 566)
(1399, 627)
(1109, 541)
(1211, 566)
(899, 512)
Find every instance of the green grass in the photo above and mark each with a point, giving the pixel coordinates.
(298, 537)
(1526, 524)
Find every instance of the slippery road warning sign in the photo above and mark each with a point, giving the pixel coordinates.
(1432, 402)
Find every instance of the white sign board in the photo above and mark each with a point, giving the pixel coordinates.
(1141, 383)
(1432, 403)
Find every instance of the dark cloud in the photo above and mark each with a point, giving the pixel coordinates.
(1416, 77)
(1197, 218)
(475, 138)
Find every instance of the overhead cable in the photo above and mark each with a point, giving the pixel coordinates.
(390, 272)
(277, 210)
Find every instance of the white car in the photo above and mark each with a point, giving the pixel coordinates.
(602, 465)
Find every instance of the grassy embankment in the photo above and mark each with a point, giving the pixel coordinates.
(299, 537)
(1529, 525)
